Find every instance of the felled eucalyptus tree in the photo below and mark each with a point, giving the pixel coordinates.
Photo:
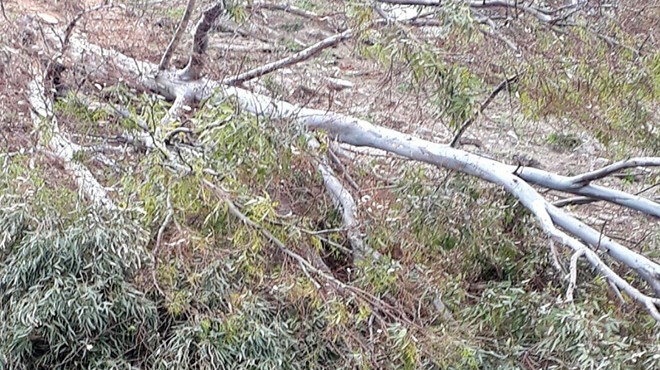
(579, 61)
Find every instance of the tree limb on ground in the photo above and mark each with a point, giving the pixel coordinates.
(181, 28)
(516, 180)
(298, 57)
(542, 14)
(42, 112)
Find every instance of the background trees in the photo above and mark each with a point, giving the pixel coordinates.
(281, 193)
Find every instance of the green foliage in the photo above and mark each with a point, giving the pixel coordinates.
(553, 335)
(66, 292)
(252, 336)
(78, 290)
(609, 92)
(453, 88)
(236, 10)
(306, 4)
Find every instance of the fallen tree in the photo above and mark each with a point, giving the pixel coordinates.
(186, 86)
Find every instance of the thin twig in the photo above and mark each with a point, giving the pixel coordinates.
(159, 238)
(288, 8)
(305, 265)
(574, 201)
(166, 222)
(616, 291)
(74, 21)
(333, 157)
(555, 257)
(572, 279)
(504, 84)
(2, 5)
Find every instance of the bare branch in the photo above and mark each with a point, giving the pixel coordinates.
(541, 14)
(74, 21)
(344, 200)
(562, 183)
(164, 225)
(493, 33)
(200, 41)
(42, 109)
(538, 13)
(588, 177)
(572, 278)
(167, 56)
(646, 268)
(290, 60)
(502, 85)
(2, 7)
(555, 257)
(335, 159)
(357, 132)
(587, 200)
(573, 201)
(159, 239)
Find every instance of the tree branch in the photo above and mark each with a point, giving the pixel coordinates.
(288, 8)
(290, 60)
(305, 265)
(2, 7)
(541, 14)
(504, 84)
(586, 178)
(42, 110)
(200, 41)
(358, 132)
(165, 60)
(562, 183)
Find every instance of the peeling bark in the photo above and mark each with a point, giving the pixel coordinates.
(201, 41)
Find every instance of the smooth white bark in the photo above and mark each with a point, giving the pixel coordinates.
(358, 132)
(42, 112)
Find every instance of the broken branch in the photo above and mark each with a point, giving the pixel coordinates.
(200, 41)
(290, 60)
(357, 132)
(504, 84)
(165, 60)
